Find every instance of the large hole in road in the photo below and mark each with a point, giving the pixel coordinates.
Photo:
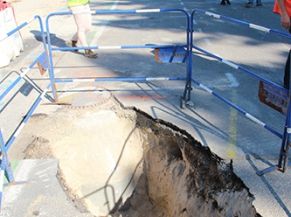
(121, 162)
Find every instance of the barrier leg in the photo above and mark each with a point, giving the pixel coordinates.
(5, 164)
(185, 99)
(286, 143)
(51, 64)
(5, 168)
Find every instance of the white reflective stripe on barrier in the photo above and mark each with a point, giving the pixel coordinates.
(255, 119)
(158, 79)
(19, 129)
(43, 94)
(148, 10)
(84, 80)
(217, 56)
(22, 74)
(288, 130)
(261, 28)
(205, 88)
(230, 64)
(109, 47)
(213, 15)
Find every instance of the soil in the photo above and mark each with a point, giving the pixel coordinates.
(183, 178)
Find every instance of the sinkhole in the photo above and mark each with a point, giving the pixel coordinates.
(116, 161)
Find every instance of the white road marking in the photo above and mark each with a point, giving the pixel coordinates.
(98, 33)
(233, 81)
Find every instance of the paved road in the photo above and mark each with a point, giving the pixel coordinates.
(210, 121)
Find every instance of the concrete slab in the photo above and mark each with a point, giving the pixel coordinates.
(37, 192)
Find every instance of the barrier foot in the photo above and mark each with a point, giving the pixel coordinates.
(5, 167)
(8, 172)
(5, 164)
(267, 170)
(185, 99)
(272, 169)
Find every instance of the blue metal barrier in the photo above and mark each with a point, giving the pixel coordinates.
(286, 139)
(53, 80)
(4, 146)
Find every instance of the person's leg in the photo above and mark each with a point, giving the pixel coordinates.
(222, 2)
(259, 3)
(83, 21)
(75, 38)
(287, 68)
(287, 72)
(249, 4)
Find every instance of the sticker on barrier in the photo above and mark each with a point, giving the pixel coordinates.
(26, 89)
(170, 55)
(273, 97)
(42, 63)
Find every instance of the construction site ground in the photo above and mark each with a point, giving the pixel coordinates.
(37, 190)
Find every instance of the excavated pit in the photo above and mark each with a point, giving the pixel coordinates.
(121, 162)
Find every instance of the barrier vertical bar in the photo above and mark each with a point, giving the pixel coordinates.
(5, 168)
(286, 141)
(283, 157)
(186, 97)
(50, 59)
(5, 164)
(42, 32)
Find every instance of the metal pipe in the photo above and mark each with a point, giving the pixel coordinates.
(116, 47)
(118, 79)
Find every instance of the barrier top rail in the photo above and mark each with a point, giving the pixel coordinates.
(17, 28)
(138, 11)
(237, 21)
(117, 47)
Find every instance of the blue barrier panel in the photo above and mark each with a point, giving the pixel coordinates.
(277, 92)
(107, 12)
(5, 168)
(4, 146)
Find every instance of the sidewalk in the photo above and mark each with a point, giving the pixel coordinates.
(25, 9)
